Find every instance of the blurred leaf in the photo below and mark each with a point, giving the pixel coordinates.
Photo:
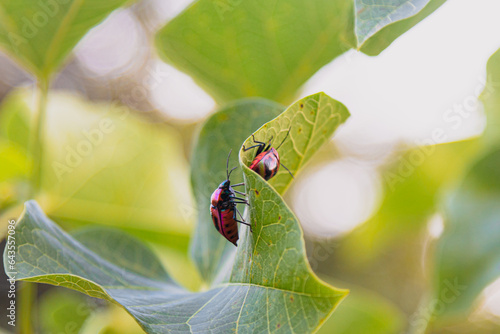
(112, 320)
(365, 312)
(373, 44)
(41, 34)
(491, 100)
(372, 16)
(412, 188)
(104, 164)
(468, 253)
(46, 254)
(237, 49)
(63, 311)
(223, 131)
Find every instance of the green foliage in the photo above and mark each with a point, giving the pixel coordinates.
(41, 34)
(378, 23)
(270, 272)
(261, 48)
(372, 16)
(222, 132)
(468, 255)
(94, 155)
(365, 312)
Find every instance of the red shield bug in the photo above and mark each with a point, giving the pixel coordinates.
(267, 160)
(223, 208)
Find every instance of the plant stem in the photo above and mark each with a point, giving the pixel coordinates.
(37, 137)
(27, 290)
(27, 296)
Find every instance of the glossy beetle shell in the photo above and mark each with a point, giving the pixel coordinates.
(223, 212)
(266, 164)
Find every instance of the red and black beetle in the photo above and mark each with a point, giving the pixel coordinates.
(267, 160)
(223, 208)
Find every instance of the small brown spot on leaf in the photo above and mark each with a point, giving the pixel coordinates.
(291, 299)
(279, 217)
(302, 105)
(278, 326)
(257, 192)
(299, 130)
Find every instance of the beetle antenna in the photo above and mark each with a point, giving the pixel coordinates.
(285, 138)
(227, 164)
(288, 171)
(231, 171)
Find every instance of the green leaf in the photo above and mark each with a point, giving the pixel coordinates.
(63, 311)
(468, 253)
(237, 49)
(105, 164)
(222, 132)
(41, 34)
(252, 302)
(378, 23)
(372, 16)
(311, 122)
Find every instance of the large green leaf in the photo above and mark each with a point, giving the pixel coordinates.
(378, 23)
(222, 132)
(104, 164)
(40, 34)
(468, 254)
(277, 278)
(312, 120)
(256, 48)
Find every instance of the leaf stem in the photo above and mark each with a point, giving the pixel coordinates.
(37, 137)
(27, 296)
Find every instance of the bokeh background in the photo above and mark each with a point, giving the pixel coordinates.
(370, 210)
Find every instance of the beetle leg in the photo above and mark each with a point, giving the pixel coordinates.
(248, 148)
(247, 224)
(239, 192)
(241, 199)
(238, 184)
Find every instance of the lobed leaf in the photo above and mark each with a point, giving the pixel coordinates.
(222, 132)
(41, 34)
(311, 122)
(46, 254)
(269, 274)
